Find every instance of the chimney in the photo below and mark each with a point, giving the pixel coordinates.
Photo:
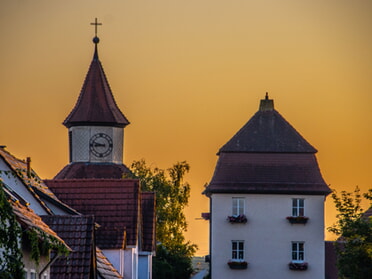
(28, 161)
(267, 104)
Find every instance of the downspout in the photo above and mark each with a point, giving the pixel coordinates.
(48, 264)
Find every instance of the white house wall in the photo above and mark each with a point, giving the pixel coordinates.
(116, 257)
(17, 186)
(124, 260)
(144, 265)
(267, 236)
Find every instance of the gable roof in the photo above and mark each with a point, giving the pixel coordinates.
(148, 221)
(78, 232)
(113, 202)
(32, 182)
(96, 105)
(267, 131)
(27, 218)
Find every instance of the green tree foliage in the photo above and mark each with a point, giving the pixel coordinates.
(11, 265)
(354, 248)
(173, 253)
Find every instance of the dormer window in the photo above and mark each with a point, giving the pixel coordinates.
(298, 207)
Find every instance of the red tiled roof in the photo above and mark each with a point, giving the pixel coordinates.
(27, 218)
(148, 221)
(92, 170)
(32, 182)
(78, 232)
(96, 105)
(113, 202)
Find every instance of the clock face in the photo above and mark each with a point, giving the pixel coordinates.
(100, 145)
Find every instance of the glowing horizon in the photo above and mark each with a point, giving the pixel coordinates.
(189, 75)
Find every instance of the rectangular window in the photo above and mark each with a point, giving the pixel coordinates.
(237, 248)
(238, 206)
(298, 251)
(32, 274)
(298, 207)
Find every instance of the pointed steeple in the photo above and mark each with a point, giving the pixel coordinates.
(96, 105)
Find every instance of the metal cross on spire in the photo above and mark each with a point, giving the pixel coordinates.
(96, 23)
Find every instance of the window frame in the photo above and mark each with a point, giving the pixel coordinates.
(238, 206)
(237, 253)
(298, 251)
(298, 207)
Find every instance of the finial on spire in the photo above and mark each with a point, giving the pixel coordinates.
(96, 23)
(95, 39)
(267, 96)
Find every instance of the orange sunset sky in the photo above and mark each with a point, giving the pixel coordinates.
(188, 75)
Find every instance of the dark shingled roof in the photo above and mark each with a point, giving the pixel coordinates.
(78, 232)
(273, 173)
(267, 155)
(113, 202)
(148, 221)
(267, 131)
(93, 170)
(96, 105)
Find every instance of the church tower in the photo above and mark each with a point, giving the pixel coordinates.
(96, 129)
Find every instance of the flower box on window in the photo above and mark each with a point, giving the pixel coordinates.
(297, 219)
(297, 266)
(238, 264)
(237, 218)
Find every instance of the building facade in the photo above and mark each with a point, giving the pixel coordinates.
(267, 203)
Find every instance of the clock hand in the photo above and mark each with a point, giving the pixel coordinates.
(97, 144)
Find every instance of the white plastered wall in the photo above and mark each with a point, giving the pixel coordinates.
(267, 236)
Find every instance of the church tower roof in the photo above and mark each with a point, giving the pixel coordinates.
(96, 105)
